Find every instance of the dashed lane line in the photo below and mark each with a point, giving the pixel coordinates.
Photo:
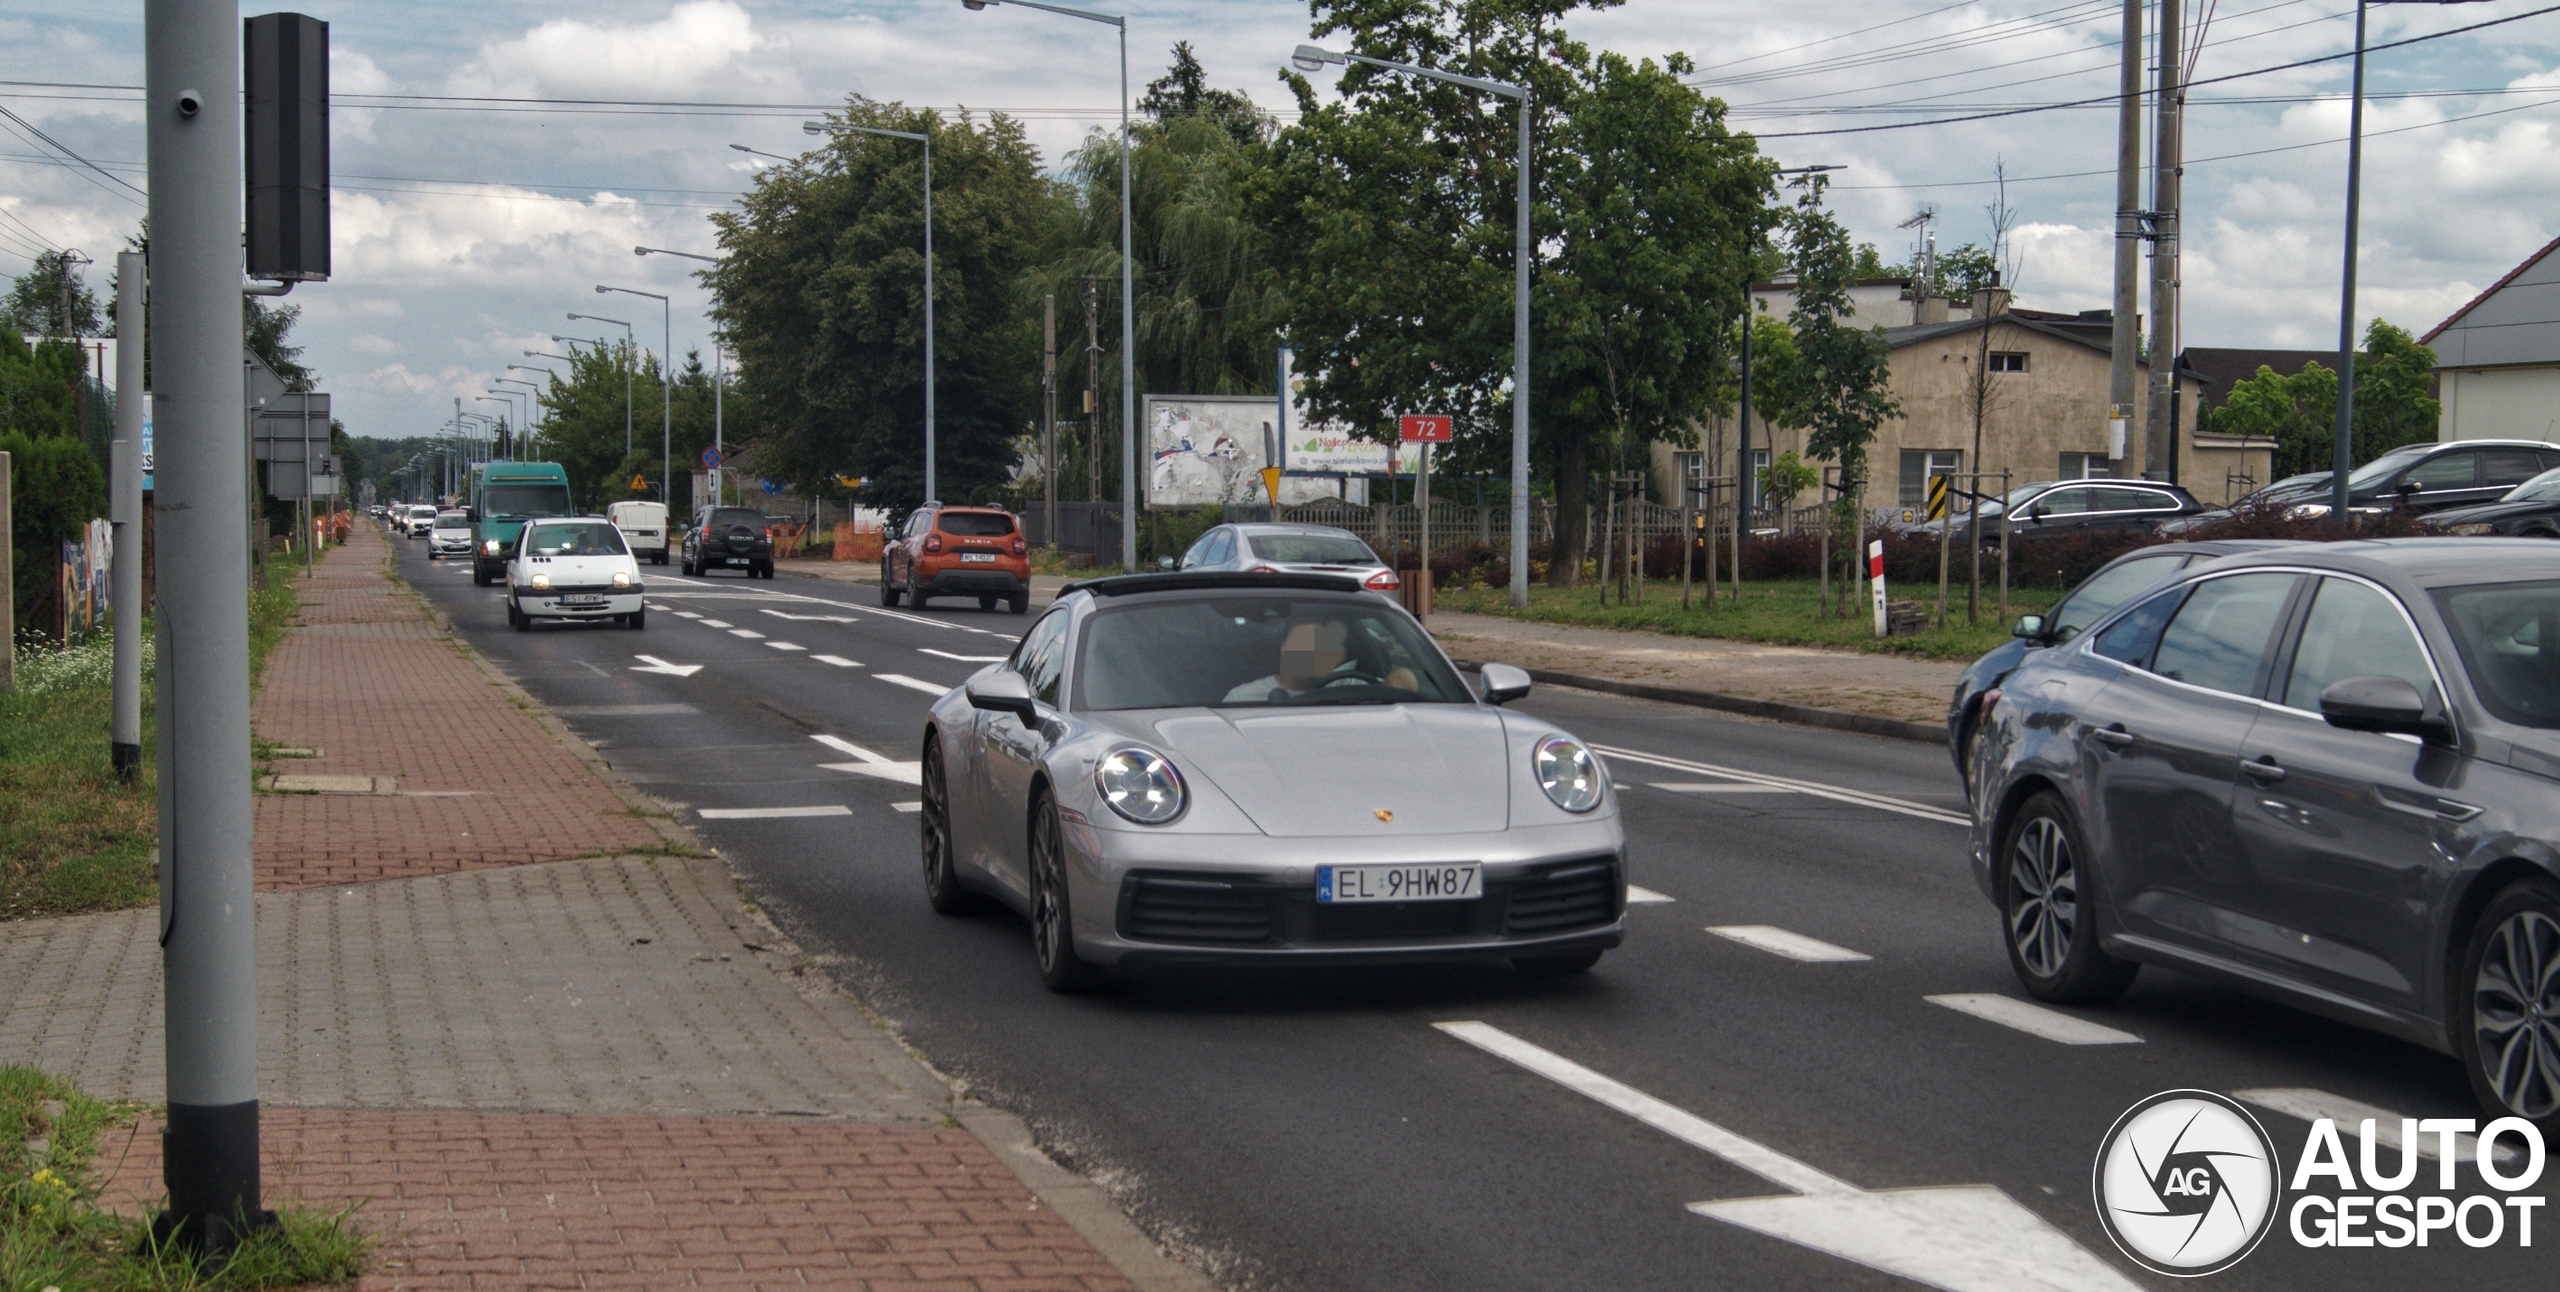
(911, 805)
(914, 683)
(1836, 793)
(762, 814)
(2034, 1020)
(714, 623)
(2351, 1114)
(838, 660)
(1718, 787)
(1779, 942)
(965, 659)
(749, 633)
(785, 646)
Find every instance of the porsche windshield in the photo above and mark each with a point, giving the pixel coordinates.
(1259, 650)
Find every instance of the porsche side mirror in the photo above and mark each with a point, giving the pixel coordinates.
(2030, 627)
(1000, 690)
(1504, 683)
(2384, 704)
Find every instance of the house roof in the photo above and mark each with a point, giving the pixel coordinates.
(2220, 368)
(2494, 288)
(1898, 337)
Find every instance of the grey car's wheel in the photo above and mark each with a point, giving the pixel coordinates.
(2510, 1018)
(1053, 923)
(1558, 966)
(2048, 921)
(942, 890)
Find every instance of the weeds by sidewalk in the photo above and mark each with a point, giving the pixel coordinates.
(73, 838)
(53, 1233)
(1786, 613)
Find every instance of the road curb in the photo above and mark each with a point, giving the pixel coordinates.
(1803, 715)
(1079, 1202)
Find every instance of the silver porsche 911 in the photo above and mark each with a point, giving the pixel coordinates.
(1258, 769)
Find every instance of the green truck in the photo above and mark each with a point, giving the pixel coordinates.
(504, 495)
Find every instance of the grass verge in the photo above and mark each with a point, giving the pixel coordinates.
(54, 1234)
(73, 838)
(1786, 613)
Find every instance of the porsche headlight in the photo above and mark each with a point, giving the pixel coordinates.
(1568, 772)
(622, 578)
(1140, 784)
(490, 547)
(2473, 528)
(541, 582)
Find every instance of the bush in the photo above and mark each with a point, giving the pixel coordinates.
(55, 487)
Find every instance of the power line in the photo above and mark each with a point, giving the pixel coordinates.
(47, 141)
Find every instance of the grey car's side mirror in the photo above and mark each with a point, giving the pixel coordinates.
(1165, 563)
(2383, 704)
(1000, 691)
(2030, 627)
(1504, 683)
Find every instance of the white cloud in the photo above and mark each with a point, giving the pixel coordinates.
(368, 343)
(696, 43)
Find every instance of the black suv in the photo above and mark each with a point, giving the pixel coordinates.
(736, 538)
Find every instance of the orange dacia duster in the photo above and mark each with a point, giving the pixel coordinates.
(948, 551)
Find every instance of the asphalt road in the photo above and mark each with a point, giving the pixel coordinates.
(1317, 1131)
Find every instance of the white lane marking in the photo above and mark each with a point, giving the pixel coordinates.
(1643, 896)
(653, 664)
(1778, 942)
(838, 660)
(808, 619)
(687, 614)
(749, 633)
(2350, 1114)
(965, 659)
(844, 746)
(1718, 787)
(784, 646)
(2034, 1020)
(914, 683)
(759, 814)
(714, 623)
(911, 805)
(902, 773)
(1818, 789)
(1967, 1238)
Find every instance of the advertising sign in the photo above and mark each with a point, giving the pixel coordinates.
(1204, 449)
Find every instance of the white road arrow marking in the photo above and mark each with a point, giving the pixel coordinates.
(872, 762)
(653, 664)
(809, 619)
(1963, 1238)
(965, 659)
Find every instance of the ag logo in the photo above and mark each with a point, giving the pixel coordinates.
(2187, 1183)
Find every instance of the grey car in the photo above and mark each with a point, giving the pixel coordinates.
(1288, 549)
(2326, 774)
(1263, 769)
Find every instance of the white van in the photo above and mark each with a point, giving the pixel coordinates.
(643, 526)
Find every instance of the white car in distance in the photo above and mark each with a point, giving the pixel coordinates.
(422, 519)
(643, 526)
(573, 568)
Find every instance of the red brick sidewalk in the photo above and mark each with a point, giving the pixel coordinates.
(365, 679)
(468, 1200)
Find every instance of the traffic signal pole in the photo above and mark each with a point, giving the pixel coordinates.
(192, 111)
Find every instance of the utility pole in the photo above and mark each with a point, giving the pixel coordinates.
(192, 118)
(2120, 385)
(124, 512)
(1049, 415)
(2160, 456)
(1093, 395)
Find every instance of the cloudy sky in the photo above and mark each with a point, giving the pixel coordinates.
(466, 231)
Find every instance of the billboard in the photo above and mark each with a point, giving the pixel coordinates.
(1206, 449)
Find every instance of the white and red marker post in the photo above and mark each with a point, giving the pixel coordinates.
(1875, 575)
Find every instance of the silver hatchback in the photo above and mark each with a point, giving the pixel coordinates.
(1288, 549)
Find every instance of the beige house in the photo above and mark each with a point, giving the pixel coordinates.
(2035, 384)
(2498, 357)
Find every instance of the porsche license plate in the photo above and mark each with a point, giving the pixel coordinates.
(1446, 882)
(977, 556)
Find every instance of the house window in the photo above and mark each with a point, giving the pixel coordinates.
(1759, 464)
(1691, 467)
(2008, 361)
(1920, 464)
(2084, 466)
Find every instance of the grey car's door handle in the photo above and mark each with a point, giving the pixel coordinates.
(2263, 770)
(2115, 736)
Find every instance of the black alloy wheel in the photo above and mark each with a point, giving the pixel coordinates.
(2509, 1021)
(2049, 923)
(942, 890)
(1053, 924)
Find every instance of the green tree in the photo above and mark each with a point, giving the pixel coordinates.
(2393, 405)
(1838, 386)
(1184, 91)
(821, 293)
(36, 301)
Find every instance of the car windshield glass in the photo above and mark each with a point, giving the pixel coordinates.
(724, 517)
(2015, 497)
(1313, 549)
(421, 513)
(585, 538)
(453, 520)
(2541, 488)
(975, 524)
(2108, 589)
(2509, 636)
(1259, 650)
(2386, 466)
(531, 498)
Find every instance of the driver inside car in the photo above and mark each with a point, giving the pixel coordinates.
(1312, 656)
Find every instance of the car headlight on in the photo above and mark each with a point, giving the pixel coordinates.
(1140, 784)
(1568, 772)
(541, 582)
(2472, 528)
(491, 547)
(622, 578)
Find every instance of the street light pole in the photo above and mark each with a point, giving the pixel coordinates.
(820, 127)
(1128, 303)
(719, 352)
(626, 370)
(666, 379)
(1310, 58)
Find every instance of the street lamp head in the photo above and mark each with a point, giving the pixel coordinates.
(601, 289)
(1311, 58)
(808, 128)
(975, 6)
